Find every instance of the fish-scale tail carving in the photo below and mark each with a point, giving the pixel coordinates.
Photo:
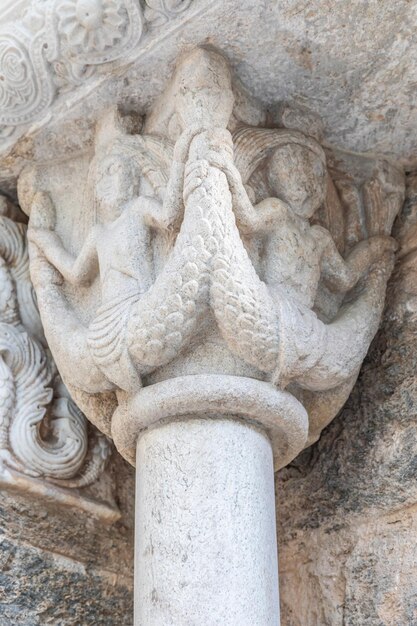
(163, 321)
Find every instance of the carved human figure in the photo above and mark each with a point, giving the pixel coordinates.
(118, 249)
(297, 256)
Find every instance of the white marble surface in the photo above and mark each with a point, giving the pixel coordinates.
(205, 526)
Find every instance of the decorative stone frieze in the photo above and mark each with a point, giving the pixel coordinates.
(50, 47)
(46, 448)
(210, 272)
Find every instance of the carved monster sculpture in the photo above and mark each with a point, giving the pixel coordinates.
(221, 272)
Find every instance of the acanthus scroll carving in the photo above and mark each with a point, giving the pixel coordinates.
(216, 253)
(42, 432)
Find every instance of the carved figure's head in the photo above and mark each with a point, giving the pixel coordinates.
(116, 182)
(297, 175)
(203, 89)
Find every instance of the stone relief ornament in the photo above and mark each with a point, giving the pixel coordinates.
(160, 11)
(42, 432)
(97, 31)
(59, 43)
(210, 268)
(26, 88)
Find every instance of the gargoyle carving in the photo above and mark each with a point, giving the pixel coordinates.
(226, 268)
(42, 432)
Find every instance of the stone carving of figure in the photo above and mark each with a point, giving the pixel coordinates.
(297, 254)
(118, 249)
(197, 229)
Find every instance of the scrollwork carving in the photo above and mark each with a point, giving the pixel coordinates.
(26, 88)
(42, 432)
(231, 256)
(160, 11)
(59, 43)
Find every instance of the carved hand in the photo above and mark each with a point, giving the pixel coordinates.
(43, 238)
(183, 144)
(375, 248)
(195, 173)
(227, 167)
(380, 244)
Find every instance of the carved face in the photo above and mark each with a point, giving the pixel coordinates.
(116, 184)
(298, 176)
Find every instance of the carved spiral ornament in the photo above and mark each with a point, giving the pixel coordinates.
(42, 432)
(25, 88)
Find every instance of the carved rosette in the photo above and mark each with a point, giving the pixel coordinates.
(213, 268)
(58, 43)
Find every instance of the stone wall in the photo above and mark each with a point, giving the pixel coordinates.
(62, 567)
(347, 518)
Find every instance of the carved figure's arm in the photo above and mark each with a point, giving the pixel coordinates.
(150, 209)
(77, 271)
(342, 274)
(250, 218)
(173, 206)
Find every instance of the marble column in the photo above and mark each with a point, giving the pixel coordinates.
(205, 525)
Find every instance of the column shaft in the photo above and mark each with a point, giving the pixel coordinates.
(205, 526)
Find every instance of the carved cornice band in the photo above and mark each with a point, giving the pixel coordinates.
(61, 43)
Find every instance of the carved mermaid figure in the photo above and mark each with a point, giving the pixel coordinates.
(204, 267)
(296, 345)
(117, 249)
(297, 254)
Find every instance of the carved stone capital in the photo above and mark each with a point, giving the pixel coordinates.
(208, 267)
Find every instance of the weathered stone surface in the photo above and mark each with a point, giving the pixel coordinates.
(350, 62)
(203, 230)
(62, 567)
(206, 552)
(346, 507)
(203, 265)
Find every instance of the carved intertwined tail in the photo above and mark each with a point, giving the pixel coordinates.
(167, 316)
(208, 267)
